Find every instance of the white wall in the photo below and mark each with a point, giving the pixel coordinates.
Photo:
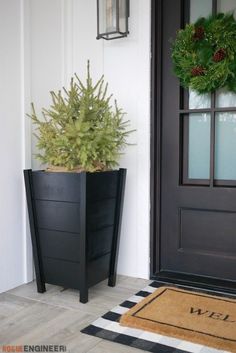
(63, 38)
(42, 44)
(12, 156)
(127, 69)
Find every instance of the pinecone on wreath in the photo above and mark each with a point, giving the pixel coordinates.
(219, 55)
(199, 33)
(197, 71)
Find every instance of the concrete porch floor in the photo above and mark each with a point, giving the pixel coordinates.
(57, 316)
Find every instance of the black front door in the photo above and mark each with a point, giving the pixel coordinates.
(194, 163)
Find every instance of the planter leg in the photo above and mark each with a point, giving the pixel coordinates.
(84, 295)
(117, 228)
(112, 280)
(40, 286)
(34, 232)
(83, 242)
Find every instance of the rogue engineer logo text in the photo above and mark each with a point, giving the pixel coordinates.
(33, 348)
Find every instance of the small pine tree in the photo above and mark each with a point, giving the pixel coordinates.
(81, 130)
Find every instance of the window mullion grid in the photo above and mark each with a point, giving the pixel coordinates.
(213, 119)
(214, 7)
(212, 148)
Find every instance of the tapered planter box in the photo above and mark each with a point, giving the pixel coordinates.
(75, 221)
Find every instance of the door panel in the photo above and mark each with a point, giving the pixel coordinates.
(197, 165)
(221, 241)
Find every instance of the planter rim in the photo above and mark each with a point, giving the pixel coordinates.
(43, 171)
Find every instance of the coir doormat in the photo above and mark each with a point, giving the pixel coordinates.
(200, 318)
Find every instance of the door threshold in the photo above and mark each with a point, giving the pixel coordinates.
(211, 285)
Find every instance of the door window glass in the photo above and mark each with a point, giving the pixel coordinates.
(225, 99)
(199, 146)
(226, 6)
(199, 101)
(200, 8)
(225, 146)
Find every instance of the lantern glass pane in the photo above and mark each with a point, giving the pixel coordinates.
(102, 16)
(123, 16)
(107, 16)
(111, 13)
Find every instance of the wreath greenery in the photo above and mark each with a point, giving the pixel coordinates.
(204, 54)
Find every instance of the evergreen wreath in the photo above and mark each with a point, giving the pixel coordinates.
(204, 54)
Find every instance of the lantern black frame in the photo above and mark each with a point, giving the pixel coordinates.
(106, 35)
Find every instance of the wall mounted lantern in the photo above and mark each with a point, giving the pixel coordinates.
(112, 19)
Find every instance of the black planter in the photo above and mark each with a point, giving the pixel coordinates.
(75, 221)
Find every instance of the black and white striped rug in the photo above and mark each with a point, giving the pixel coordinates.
(108, 327)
